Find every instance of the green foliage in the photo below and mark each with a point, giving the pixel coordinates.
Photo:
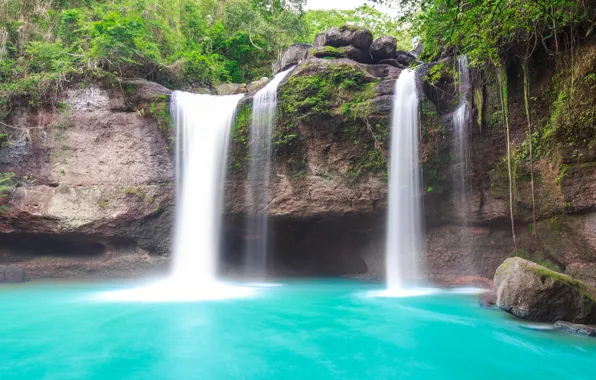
(379, 23)
(178, 42)
(488, 30)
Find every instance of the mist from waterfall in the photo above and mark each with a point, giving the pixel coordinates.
(259, 170)
(461, 135)
(404, 230)
(203, 124)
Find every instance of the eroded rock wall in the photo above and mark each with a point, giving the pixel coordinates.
(96, 170)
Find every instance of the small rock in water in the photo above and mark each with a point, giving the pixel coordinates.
(488, 300)
(575, 328)
(12, 274)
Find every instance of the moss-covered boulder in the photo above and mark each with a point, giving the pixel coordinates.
(533, 292)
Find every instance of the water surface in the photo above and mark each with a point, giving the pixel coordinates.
(300, 330)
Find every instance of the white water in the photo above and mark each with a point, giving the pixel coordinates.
(461, 126)
(404, 231)
(259, 170)
(203, 125)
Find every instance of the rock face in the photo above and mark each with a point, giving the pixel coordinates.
(292, 56)
(383, 48)
(12, 274)
(535, 293)
(345, 36)
(97, 175)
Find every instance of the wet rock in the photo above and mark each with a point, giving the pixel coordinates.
(12, 274)
(231, 89)
(487, 300)
(575, 328)
(383, 48)
(404, 58)
(293, 56)
(349, 52)
(344, 36)
(392, 62)
(535, 293)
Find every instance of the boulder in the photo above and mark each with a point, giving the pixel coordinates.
(12, 274)
(231, 89)
(535, 293)
(575, 328)
(404, 58)
(383, 48)
(293, 56)
(349, 52)
(345, 36)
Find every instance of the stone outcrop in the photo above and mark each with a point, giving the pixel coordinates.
(97, 173)
(346, 35)
(535, 293)
(12, 274)
(383, 48)
(292, 56)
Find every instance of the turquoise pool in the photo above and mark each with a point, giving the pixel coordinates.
(299, 330)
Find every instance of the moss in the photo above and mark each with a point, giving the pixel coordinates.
(433, 153)
(240, 138)
(335, 90)
(538, 257)
(159, 110)
(329, 52)
(547, 275)
(136, 191)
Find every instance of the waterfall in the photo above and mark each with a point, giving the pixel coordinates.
(203, 125)
(404, 231)
(259, 170)
(460, 124)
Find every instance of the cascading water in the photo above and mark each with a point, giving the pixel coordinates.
(259, 170)
(404, 231)
(203, 124)
(460, 124)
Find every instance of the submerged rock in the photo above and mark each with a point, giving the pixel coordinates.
(535, 293)
(576, 328)
(487, 300)
(12, 274)
(383, 48)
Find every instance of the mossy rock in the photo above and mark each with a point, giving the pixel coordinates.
(533, 292)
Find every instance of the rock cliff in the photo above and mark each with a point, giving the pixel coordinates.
(93, 179)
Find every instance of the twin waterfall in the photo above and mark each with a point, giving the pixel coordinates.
(203, 124)
(264, 107)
